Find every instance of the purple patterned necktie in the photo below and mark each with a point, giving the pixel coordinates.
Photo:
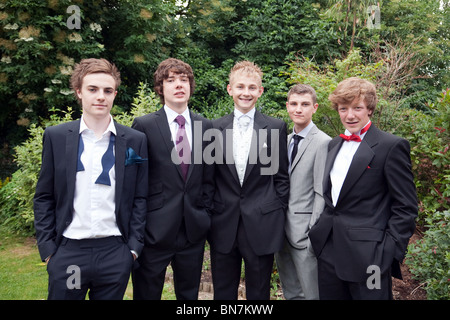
(182, 145)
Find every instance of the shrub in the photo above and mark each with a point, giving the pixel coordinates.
(429, 137)
(429, 258)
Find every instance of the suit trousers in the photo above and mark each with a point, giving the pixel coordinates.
(102, 266)
(298, 272)
(331, 287)
(226, 270)
(186, 260)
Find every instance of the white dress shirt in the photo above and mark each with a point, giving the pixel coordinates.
(241, 142)
(173, 125)
(94, 204)
(342, 164)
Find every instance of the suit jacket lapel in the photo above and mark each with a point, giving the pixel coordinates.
(121, 145)
(303, 147)
(257, 142)
(72, 139)
(226, 127)
(361, 160)
(335, 146)
(196, 147)
(163, 126)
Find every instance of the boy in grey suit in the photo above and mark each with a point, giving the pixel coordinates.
(307, 150)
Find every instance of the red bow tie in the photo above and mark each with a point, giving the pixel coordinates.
(355, 137)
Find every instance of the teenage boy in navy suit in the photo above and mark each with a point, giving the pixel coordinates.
(90, 201)
(179, 193)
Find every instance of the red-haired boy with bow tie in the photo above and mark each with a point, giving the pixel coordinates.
(362, 235)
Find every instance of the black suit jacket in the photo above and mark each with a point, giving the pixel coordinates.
(262, 200)
(53, 200)
(170, 198)
(375, 214)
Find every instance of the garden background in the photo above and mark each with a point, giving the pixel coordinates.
(402, 46)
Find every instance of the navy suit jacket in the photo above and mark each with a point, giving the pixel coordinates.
(171, 199)
(375, 214)
(53, 200)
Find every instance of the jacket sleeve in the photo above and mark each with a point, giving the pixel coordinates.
(139, 213)
(281, 178)
(319, 168)
(44, 202)
(404, 208)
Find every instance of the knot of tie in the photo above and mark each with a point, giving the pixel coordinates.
(180, 120)
(353, 137)
(297, 138)
(244, 122)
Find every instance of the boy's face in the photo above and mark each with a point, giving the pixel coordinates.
(176, 90)
(355, 115)
(245, 91)
(97, 95)
(301, 109)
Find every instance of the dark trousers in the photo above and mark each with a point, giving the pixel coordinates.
(186, 260)
(333, 288)
(101, 266)
(226, 271)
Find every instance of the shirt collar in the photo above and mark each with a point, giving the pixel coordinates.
(111, 127)
(250, 114)
(305, 131)
(348, 133)
(171, 115)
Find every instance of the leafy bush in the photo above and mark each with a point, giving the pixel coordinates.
(16, 198)
(428, 134)
(429, 258)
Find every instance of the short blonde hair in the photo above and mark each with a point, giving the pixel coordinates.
(248, 67)
(354, 88)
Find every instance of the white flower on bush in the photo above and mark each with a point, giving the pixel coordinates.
(95, 27)
(76, 37)
(10, 26)
(66, 92)
(6, 59)
(24, 39)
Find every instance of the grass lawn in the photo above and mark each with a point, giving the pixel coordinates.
(24, 277)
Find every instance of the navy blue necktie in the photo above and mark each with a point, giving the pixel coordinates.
(297, 139)
(107, 160)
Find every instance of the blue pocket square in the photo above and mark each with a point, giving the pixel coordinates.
(132, 158)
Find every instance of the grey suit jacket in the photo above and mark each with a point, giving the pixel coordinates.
(306, 197)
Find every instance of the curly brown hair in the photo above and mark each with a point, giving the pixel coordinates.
(162, 73)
